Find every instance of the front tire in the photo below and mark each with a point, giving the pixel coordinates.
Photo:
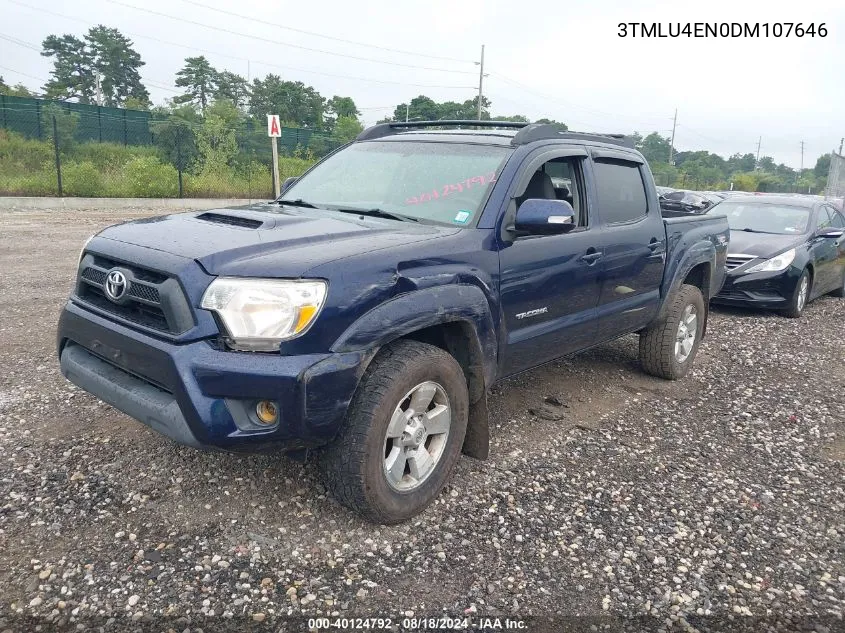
(800, 297)
(668, 348)
(402, 436)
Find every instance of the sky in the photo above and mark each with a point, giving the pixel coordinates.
(561, 60)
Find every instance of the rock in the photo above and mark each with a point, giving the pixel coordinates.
(133, 600)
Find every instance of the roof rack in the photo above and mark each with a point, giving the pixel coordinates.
(528, 132)
(386, 129)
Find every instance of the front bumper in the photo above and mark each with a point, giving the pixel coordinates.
(771, 290)
(200, 395)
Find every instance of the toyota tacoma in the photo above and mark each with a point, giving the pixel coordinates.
(362, 317)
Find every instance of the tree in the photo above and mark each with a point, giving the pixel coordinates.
(337, 108)
(741, 162)
(342, 106)
(654, 148)
(118, 64)
(347, 128)
(517, 118)
(76, 63)
(231, 86)
(73, 69)
(216, 141)
(822, 166)
(200, 79)
(562, 126)
(133, 103)
(18, 90)
(293, 101)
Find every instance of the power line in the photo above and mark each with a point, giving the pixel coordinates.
(15, 40)
(244, 59)
(278, 42)
(570, 104)
(328, 37)
(21, 73)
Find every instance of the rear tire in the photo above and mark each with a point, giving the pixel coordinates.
(379, 431)
(668, 348)
(800, 296)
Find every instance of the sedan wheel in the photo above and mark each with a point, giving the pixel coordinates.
(800, 297)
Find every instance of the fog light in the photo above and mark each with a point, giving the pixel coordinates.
(267, 412)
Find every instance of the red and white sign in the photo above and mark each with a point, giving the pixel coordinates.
(274, 128)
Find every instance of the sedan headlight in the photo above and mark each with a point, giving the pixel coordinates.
(258, 314)
(774, 264)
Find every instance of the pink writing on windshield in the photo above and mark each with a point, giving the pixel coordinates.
(447, 190)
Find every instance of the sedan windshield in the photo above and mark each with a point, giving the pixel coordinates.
(440, 182)
(760, 217)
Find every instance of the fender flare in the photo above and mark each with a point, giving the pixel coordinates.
(702, 252)
(419, 309)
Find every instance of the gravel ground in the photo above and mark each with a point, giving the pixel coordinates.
(717, 502)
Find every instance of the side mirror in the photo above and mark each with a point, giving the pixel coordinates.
(830, 232)
(545, 217)
(288, 182)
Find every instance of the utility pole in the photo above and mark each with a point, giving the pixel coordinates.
(801, 169)
(407, 111)
(672, 142)
(757, 162)
(99, 91)
(841, 141)
(481, 82)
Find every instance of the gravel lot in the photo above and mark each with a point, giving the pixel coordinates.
(718, 501)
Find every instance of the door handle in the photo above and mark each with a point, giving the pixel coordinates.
(654, 244)
(591, 257)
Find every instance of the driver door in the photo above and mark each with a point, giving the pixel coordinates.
(549, 284)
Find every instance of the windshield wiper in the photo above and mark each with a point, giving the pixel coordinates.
(378, 213)
(299, 202)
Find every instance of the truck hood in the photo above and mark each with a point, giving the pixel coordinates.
(762, 244)
(250, 241)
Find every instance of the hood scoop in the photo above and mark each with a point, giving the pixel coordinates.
(231, 220)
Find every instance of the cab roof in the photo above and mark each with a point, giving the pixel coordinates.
(506, 133)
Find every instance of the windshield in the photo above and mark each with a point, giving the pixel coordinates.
(440, 182)
(765, 218)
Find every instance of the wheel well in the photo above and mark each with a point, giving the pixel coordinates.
(459, 339)
(699, 276)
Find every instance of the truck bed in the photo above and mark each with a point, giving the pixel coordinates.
(691, 232)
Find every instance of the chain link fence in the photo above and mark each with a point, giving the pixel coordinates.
(835, 189)
(50, 148)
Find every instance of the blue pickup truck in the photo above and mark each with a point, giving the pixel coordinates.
(363, 315)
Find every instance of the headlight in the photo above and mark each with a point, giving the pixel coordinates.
(258, 314)
(82, 250)
(775, 263)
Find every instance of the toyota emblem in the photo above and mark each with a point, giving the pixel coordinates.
(116, 285)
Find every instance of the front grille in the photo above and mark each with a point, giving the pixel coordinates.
(152, 299)
(148, 316)
(735, 261)
(732, 294)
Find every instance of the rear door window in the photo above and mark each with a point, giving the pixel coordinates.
(621, 191)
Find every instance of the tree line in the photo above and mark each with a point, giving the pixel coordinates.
(219, 98)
